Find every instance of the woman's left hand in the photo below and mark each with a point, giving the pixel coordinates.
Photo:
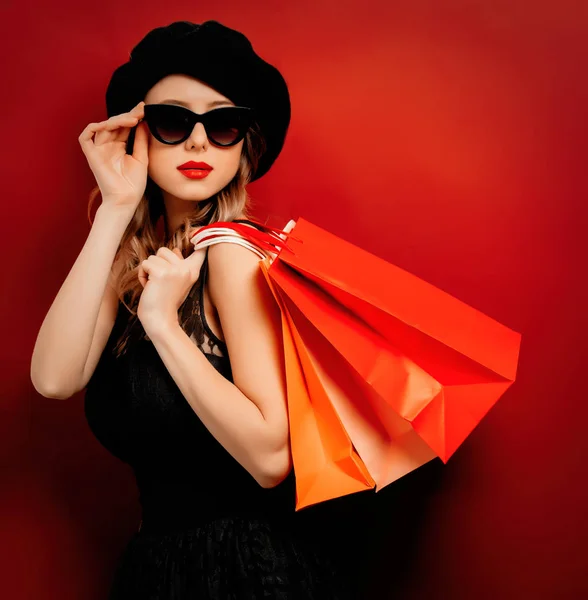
(167, 278)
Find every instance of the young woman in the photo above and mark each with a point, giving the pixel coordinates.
(179, 349)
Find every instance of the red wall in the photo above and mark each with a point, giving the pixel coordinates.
(446, 137)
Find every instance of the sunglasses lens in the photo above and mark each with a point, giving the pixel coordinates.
(223, 136)
(225, 126)
(171, 125)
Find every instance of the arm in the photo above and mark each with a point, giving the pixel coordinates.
(248, 417)
(65, 337)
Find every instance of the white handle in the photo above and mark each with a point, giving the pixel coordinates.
(233, 239)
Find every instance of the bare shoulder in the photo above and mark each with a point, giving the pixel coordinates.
(230, 266)
(240, 294)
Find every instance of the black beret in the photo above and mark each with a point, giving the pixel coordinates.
(221, 57)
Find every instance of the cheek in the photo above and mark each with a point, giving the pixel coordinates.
(235, 160)
(162, 167)
(154, 165)
(228, 161)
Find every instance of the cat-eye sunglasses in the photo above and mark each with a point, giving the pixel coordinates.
(173, 124)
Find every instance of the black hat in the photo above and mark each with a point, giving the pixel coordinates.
(221, 57)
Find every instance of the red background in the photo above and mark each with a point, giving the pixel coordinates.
(446, 137)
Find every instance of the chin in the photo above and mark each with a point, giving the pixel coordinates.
(191, 191)
(199, 191)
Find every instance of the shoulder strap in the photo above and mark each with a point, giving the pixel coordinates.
(212, 338)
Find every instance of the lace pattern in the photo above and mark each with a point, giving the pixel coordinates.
(193, 319)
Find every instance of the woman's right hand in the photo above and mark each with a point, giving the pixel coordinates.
(121, 177)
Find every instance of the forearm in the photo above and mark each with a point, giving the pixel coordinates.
(232, 418)
(65, 336)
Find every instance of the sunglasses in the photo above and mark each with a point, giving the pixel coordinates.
(172, 124)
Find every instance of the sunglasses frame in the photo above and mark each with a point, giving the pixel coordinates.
(150, 112)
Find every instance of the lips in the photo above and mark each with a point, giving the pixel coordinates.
(195, 165)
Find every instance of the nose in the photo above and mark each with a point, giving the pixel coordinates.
(198, 136)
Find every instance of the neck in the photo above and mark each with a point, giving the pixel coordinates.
(173, 221)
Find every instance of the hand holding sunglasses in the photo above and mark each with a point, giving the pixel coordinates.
(172, 124)
(121, 176)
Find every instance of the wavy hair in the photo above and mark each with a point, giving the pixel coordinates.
(142, 238)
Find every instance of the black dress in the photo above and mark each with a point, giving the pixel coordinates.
(208, 530)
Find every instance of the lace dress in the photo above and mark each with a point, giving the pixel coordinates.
(208, 530)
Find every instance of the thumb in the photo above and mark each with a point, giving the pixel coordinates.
(197, 255)
(141, 143)
(178, 252)
(195, 262)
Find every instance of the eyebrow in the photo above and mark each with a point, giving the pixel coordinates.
(210, 104)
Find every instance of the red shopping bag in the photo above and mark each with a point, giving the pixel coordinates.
(471, 357)
(417, 368)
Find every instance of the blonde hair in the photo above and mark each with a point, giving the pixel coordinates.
(141, 238)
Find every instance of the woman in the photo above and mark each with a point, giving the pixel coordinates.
(148, 326)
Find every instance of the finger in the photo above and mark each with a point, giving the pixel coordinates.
(115, 122)
(116, 129)
(141, 143)
(126, 120)
(178, 254)
(155, 265)
(135, 112)
(196, 255)
(142, 276)
(86, 137)
(196, 260)
(138, 110)
(169, 255)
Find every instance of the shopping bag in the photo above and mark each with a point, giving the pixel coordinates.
(455, 362)
(418, 368)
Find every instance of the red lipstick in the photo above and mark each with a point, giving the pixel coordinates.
(195, 165)
(195, 170)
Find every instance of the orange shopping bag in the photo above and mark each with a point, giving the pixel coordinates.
(326, 465)
(409, 369)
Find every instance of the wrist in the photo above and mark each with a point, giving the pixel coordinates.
(159, 325)
(117, 209)
(116, 219)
